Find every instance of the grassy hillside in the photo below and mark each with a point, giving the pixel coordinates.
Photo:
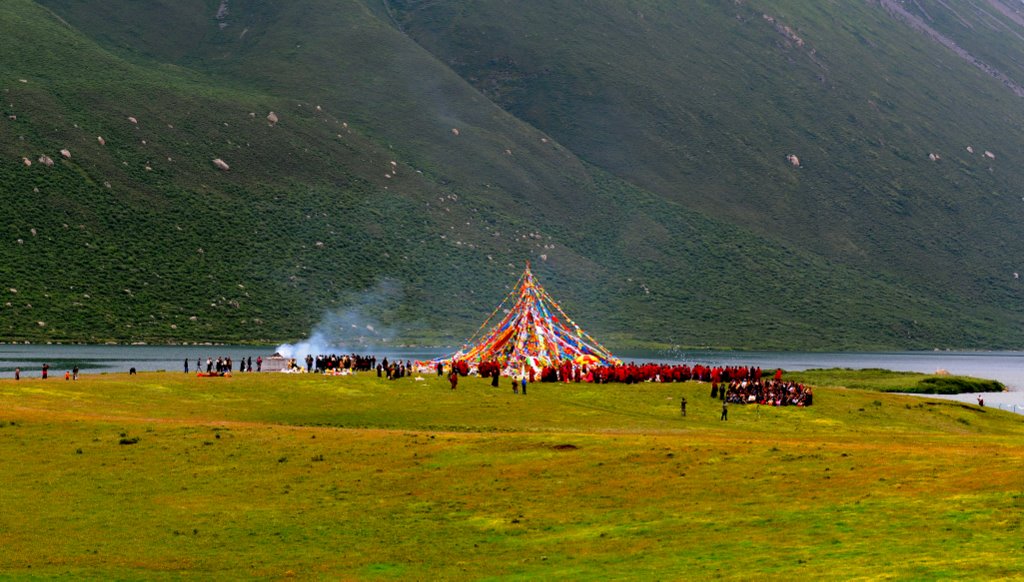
(363, 197)
(165, 475)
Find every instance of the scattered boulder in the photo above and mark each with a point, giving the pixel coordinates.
(66, 153)
(970, 150)
(793, 160)
(46, 160)
(132, 120)
(990, 155)
(221, 164)
(934, 157)
(12, 117)
(99, 138)
(26, 161)
(455, 131)
(272, 117)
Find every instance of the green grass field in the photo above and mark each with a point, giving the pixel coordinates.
(164, 475)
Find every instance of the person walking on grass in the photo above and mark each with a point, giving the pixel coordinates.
(725, 410)
(682, 405)
(454, 379)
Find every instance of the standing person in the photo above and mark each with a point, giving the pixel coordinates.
(725, 410)
(682, 405)
(186, 365)
(524, 385)
(46, 370)
(309, 362)
(74, 373)
(248, 364)
(440, 369)
(454, 379)
(17, 373)
(259, 363)
(495, 376)
(515, 385)
(199, 365)
(209, 364)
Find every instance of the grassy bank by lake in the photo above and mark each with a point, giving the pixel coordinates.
(890, 381)
(164, 475)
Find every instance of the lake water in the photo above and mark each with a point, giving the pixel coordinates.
(1006, 367)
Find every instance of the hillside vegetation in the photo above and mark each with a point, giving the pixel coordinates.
(635, 153)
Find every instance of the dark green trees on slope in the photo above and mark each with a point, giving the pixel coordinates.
(636, 153)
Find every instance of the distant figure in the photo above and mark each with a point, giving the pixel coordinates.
(682, 405)
(440, 369)
(725, 410)
(199, 365)
(74, 373)
(248, 363)
(46, 370)
(454, 379)
(524, 385)
(515, 385)
(67, 374)
(186, 365)
(495, 376)
(209, 365)
(259, 363)
(981, 401)
(309, 362)
(17, 373)
(131, 371)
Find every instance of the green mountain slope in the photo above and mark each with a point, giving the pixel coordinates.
(702, 102)
(392, 183)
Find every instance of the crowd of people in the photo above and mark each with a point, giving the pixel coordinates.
(772, 392)
(225, 365)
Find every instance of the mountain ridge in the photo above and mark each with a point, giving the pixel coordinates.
(313, 212)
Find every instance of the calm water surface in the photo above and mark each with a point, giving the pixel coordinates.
(1007, 367)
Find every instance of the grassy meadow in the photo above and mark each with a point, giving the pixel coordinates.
(165, 475)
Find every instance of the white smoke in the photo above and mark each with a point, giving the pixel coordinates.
(356, 328)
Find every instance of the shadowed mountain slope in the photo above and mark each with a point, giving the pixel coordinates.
(636, 154)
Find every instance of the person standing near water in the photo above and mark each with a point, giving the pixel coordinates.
(186, 365)
(46, 370)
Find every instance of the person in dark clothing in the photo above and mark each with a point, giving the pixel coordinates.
(725, 410)
(186, 365)
(524, 385)
(46, 370)
(440, 369)
(454, 379)
(682, 405)
(495, 376)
